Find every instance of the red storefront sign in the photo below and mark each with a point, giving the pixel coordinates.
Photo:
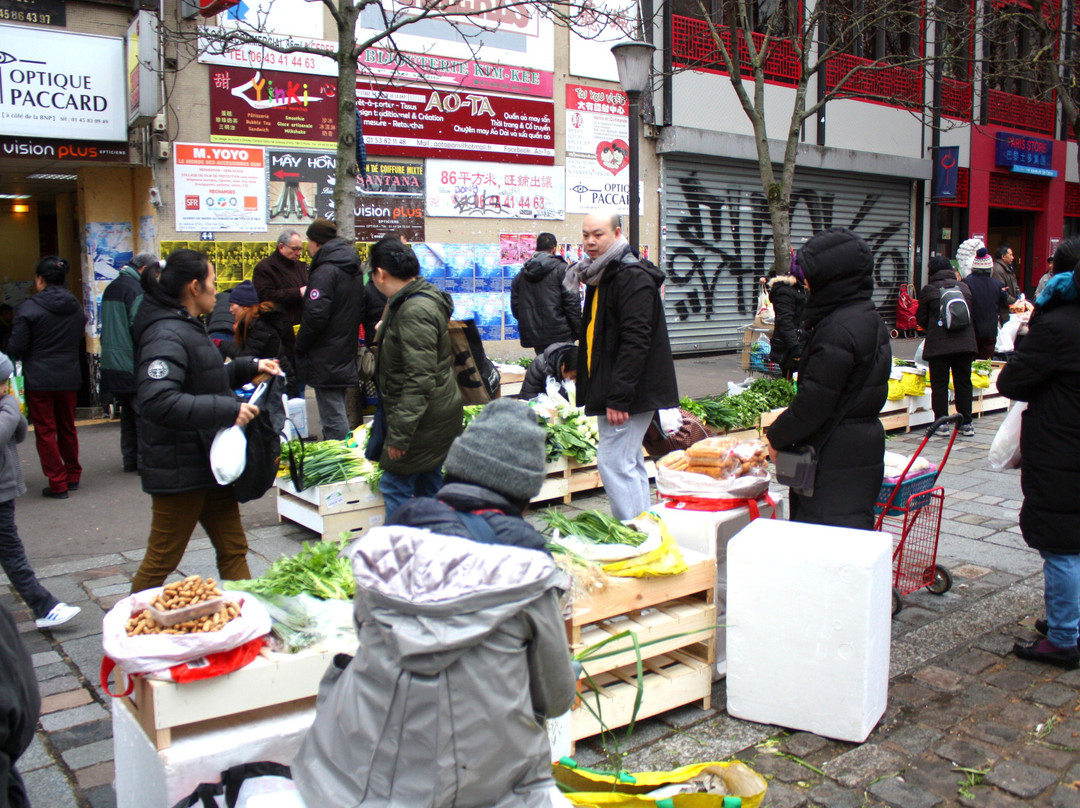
(427, 122)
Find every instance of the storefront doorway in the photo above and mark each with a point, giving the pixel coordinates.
(1017, 229)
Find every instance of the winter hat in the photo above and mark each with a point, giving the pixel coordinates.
(244, 294)
(938, 263)
(982, 260)
(503, 449)
(321, 231)
(965, 254)
(6, 368)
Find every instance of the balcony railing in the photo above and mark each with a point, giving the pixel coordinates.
(956, 99)
(898, 86)
(1018, 112)
(694, 48)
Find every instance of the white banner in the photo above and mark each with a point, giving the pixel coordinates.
(219, 188)
(590, 44)
(59, 85)
(465, 189)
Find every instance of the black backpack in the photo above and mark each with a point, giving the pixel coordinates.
(263, 444)
(953, 312)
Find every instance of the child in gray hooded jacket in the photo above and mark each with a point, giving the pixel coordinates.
(48, 611)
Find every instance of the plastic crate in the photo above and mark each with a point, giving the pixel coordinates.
(912, 485)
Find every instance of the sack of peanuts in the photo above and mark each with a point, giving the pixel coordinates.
(720, 467)
(160, 628)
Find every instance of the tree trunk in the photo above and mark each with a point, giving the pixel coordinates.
(346, 171)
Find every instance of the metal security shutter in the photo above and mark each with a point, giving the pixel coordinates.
(719, 241)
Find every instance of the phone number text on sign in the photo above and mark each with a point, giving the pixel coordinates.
(470, 189)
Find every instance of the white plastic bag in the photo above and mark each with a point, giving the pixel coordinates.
(673, 483)
(1006, 337)
(145, 653)
(1005, 448)
(670, 421)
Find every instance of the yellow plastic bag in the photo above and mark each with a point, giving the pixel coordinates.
(664, 560)
(896, 390)
(913, 384)
(597, 789)
(979, 381)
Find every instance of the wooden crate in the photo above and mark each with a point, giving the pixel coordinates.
(510, 385)
(677, 615)
(567, 477)
(276, 679)
(671, 680)
(332, 509)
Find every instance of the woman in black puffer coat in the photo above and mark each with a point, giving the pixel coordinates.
(185, 397)
(844, 371)
(1045, 372)
(787, 293)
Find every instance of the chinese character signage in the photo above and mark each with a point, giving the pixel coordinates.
(272, 108)
(597, 149)
(495, 190)
(1025, 155)
(219, 188)
(389, 198)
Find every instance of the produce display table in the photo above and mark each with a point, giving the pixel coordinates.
(915, 411)
(678, 670)
(161, 708)
(332, 509)
(510, 385)
(566, 477)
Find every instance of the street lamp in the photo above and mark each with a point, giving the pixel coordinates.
(634, 61)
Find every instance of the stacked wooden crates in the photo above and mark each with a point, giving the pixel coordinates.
(674, 618)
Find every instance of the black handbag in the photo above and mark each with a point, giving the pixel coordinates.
(376, 434)
(797, 467)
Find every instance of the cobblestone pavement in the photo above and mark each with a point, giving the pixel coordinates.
(967, 723)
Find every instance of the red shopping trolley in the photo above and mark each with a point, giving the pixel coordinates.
(909, 507)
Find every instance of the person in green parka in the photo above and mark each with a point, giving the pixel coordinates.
(414, 372)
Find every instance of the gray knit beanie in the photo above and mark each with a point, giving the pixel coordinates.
(503, 449)
(6, 368)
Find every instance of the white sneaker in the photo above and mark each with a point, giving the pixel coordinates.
(59, 615)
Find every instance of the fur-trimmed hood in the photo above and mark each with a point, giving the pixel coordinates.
(790, 280)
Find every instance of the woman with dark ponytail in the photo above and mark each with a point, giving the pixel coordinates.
(185, 397)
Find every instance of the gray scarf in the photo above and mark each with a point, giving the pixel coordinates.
(590, 270)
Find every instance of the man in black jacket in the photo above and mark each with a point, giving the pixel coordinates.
(330, 325)
(46, 336)
(987, 294)
(625, 369)
(547, 312)
(281, 278)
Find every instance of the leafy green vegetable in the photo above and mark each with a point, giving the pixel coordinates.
(328, 461)
(741, 410)
(317, 569)
(983, 366)
(593, 526)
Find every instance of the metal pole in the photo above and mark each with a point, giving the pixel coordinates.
(635, 203)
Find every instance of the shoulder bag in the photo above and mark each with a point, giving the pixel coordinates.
(797, 467)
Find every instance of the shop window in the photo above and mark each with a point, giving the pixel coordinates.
(1020, 48)
(879, 47)
(694, 47)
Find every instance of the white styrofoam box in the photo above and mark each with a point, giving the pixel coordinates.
(296, 414)
(149, 778)
(809, 627)
(708, 532)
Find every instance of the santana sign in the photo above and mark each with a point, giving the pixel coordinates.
(59, 85)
